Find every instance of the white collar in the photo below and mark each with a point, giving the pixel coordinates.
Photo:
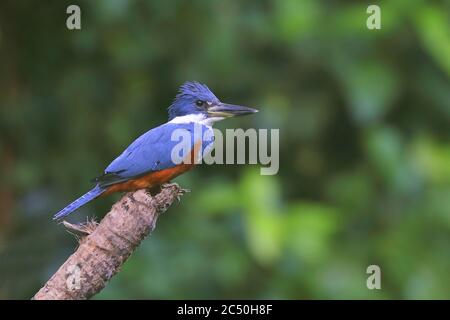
(196, 118)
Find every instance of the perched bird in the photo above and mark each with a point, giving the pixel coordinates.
(147, 162)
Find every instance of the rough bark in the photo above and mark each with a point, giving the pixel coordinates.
(108, 245)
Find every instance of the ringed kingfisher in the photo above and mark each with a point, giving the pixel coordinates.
(147, 162)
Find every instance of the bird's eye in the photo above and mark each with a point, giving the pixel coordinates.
(199, 103)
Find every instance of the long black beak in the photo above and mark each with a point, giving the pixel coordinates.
(229, 110)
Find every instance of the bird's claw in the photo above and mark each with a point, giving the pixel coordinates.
(180, 191)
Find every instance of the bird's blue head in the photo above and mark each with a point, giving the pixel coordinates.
(195, 98)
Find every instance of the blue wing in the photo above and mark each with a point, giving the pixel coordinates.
(152, 151)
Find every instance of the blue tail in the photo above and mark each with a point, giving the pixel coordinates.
(81, 201)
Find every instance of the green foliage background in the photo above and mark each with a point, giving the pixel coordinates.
(364, 143)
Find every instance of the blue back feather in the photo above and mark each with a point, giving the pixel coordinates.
(152, 151)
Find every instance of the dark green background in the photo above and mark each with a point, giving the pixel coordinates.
(364, 119)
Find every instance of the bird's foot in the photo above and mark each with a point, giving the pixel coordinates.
(180, 191)
(153, 191)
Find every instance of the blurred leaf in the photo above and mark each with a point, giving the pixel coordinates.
(260, 197)
(297, 19)
(308, 228)
(352, 191)
(221, 198)
(433, 26)
(370, 88)
(433, 159)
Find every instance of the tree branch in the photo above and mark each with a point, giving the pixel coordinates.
(108, 245)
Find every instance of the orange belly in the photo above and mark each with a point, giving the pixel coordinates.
(150, 180)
